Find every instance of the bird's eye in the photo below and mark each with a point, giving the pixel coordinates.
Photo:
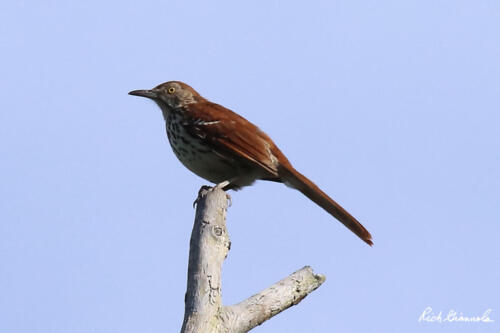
(171, 90)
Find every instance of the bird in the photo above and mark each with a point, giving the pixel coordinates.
(224, 148)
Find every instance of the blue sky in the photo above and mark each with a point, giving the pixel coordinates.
(392, 107)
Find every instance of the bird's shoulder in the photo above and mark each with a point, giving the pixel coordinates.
(227, 129)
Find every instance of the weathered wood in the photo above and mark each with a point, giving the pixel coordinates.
(204, 312)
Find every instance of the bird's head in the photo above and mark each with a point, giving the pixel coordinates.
(170, 95)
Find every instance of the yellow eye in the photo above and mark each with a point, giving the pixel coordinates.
(171, 90)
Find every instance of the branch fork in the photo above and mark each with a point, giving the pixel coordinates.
(209, 246)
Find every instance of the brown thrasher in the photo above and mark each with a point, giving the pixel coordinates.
(226, 149)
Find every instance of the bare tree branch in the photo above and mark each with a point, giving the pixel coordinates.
(209, 246)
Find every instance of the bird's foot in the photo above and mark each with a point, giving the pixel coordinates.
(200, 192)
(219, 186)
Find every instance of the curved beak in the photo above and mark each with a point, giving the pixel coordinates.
(144, 93)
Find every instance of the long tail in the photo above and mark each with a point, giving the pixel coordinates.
(298, 181)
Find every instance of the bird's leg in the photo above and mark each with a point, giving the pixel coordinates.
(221, 186)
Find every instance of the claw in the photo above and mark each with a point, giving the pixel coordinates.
(204, 187)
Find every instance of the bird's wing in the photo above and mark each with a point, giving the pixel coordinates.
(232, 135)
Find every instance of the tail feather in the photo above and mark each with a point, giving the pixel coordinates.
(295, 179)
